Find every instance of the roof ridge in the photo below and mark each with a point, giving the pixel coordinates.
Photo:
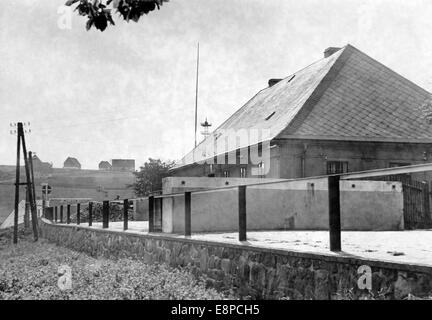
(409, 82)
(300, 70)
(317, 93)
(382, 103)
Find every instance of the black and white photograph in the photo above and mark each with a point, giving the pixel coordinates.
(227, 151)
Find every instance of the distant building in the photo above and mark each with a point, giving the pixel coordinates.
(105, 165)
(71, 163)
(41, 167)
(123, 165)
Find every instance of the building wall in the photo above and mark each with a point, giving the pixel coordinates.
(286, 158)
(182, 184)
(360, 156)
(123, 165)
(298, 205)
(202, 170)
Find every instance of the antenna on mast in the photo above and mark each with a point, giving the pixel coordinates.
(196, 95)
(206, 125)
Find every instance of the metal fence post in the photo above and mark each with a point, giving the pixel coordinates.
(105, 214)
(334, 213)
(68, 214)
(90, 212)
(242, 212)
(78, 213)
(43, 207)
(151, 214)
(61, 214)
(188, 222)
(125, 213)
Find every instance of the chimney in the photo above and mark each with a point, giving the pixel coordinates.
(272, 82)
(329, 51)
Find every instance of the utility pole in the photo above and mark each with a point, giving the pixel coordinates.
(27, 209)
(17, 184)
(29, 183)
(196, 96)
(32, 175)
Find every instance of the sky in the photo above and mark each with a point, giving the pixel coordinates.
(129, 92)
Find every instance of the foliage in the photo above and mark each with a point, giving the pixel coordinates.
(29, 270)
(99, 15)
(382, 294)
(115, 213)
(426, 110)
(149, 177)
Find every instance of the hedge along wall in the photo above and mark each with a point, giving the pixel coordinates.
(250, 271)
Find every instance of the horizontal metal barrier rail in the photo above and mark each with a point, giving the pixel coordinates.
(333, 182)
(343, 176)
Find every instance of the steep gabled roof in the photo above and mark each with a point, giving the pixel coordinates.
(71, 162)
(104, 163)
(366, 101)
(347, 95)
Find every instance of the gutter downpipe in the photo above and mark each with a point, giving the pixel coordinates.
(303, 160)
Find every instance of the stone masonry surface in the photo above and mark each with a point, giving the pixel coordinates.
(252, 272)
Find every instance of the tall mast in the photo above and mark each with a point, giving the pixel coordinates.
(196, 95)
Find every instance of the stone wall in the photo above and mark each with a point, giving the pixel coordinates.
(250, 271)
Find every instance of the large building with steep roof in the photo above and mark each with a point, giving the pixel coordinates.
(345, 112)
(71, 163)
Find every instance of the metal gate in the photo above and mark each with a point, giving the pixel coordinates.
(417, 213)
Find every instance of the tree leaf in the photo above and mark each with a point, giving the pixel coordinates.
(70, 2)
(89, 24)
(116, 4)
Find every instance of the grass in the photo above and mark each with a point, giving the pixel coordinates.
(31, 270)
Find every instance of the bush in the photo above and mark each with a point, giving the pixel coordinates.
(116, 213)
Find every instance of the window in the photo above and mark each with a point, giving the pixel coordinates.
(271, 115)
(211, 172)
(226, 173)
(334, 167)
(242, 172)
(261, 169)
